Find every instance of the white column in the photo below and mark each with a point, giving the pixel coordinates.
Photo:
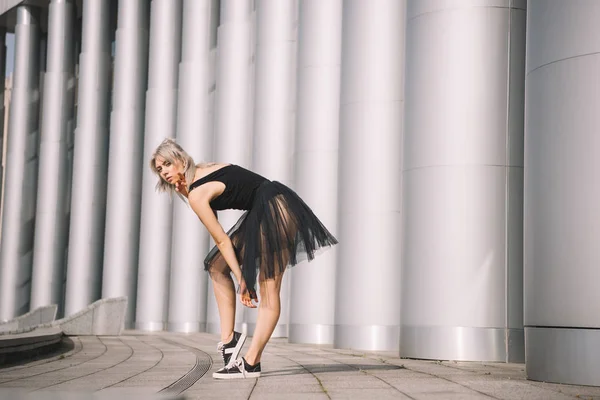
(51, 223)
(312, 303)
(16, 248)
(90, 173)
(161, 120)
(121, 238)
(463, 181)
(188, 291)
(2, 110)
(562, 192)
(90, 165)
(233, 111)
(367, 313)
(275, 111)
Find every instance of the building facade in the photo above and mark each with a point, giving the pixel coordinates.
(448, 144)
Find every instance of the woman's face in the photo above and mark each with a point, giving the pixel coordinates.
(170, 172)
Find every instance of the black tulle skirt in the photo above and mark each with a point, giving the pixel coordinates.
(279, 231)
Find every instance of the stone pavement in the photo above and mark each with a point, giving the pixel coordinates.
(140, 365)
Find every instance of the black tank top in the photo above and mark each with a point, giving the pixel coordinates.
(240, 187)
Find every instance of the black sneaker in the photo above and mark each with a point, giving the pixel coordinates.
(239, 370)
(231, 350)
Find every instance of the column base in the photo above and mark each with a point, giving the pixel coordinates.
(150, 326)
(368, 338)
(281, 331)
(563, 355)
(463, 344)
(311, 333)
(213, 328)
(186, 327)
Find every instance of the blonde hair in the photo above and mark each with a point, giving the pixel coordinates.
(173, 153)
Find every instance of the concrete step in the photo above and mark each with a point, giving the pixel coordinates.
(30, 320)
(103, 317)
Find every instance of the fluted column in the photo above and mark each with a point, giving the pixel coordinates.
(121, 239)
(233, 111)
(312, 303)
(2, 109)
(51, 223)
(188, 280)
(16, 248)
(274, 111)
(463, 181)
(88, 201)
(161, 117)
(562, 192)
(367, 313)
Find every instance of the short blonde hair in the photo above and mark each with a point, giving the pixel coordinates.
(173, 153)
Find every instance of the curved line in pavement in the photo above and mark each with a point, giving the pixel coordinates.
(193, 375)
(94, 372)
(59, 369)
(162, 355)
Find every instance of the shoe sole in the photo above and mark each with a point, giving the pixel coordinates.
(237, 350)
(249, 375)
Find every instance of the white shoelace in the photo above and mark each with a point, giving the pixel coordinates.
(239, 363)
(221, 348)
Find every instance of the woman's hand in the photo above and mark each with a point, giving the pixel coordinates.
(246, 296)
(247, 300)
(181, 185)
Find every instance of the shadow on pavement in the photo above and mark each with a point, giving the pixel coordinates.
(327, 368)
(43, 353)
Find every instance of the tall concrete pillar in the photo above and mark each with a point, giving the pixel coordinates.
(367, 313)
(233, 112)
(6, 86)
(463, 181)
(70, 144)
(88, 200)
(51, 224)
(16, 248)
(2, 110)
(562, 192)
(121, 238)
(275, 111)
(188, 281)
(316, 178)
(161, 122)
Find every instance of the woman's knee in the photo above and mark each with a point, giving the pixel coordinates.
(270, 302)
(270, 291)
(220, 277)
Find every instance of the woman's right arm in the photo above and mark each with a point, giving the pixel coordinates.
(200, 202)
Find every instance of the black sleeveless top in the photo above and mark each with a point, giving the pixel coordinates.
(240, 187)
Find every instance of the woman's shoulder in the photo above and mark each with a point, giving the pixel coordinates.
(207, 168)
(203, 175)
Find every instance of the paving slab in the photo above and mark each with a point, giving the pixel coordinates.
(180, 366)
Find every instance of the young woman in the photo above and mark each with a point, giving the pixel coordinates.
(277, 230)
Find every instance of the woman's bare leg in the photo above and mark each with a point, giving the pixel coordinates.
(269, 309)
(225, 295)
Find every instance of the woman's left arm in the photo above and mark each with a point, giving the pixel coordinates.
(200, 203)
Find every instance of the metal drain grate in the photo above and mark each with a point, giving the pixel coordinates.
(203, 364)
